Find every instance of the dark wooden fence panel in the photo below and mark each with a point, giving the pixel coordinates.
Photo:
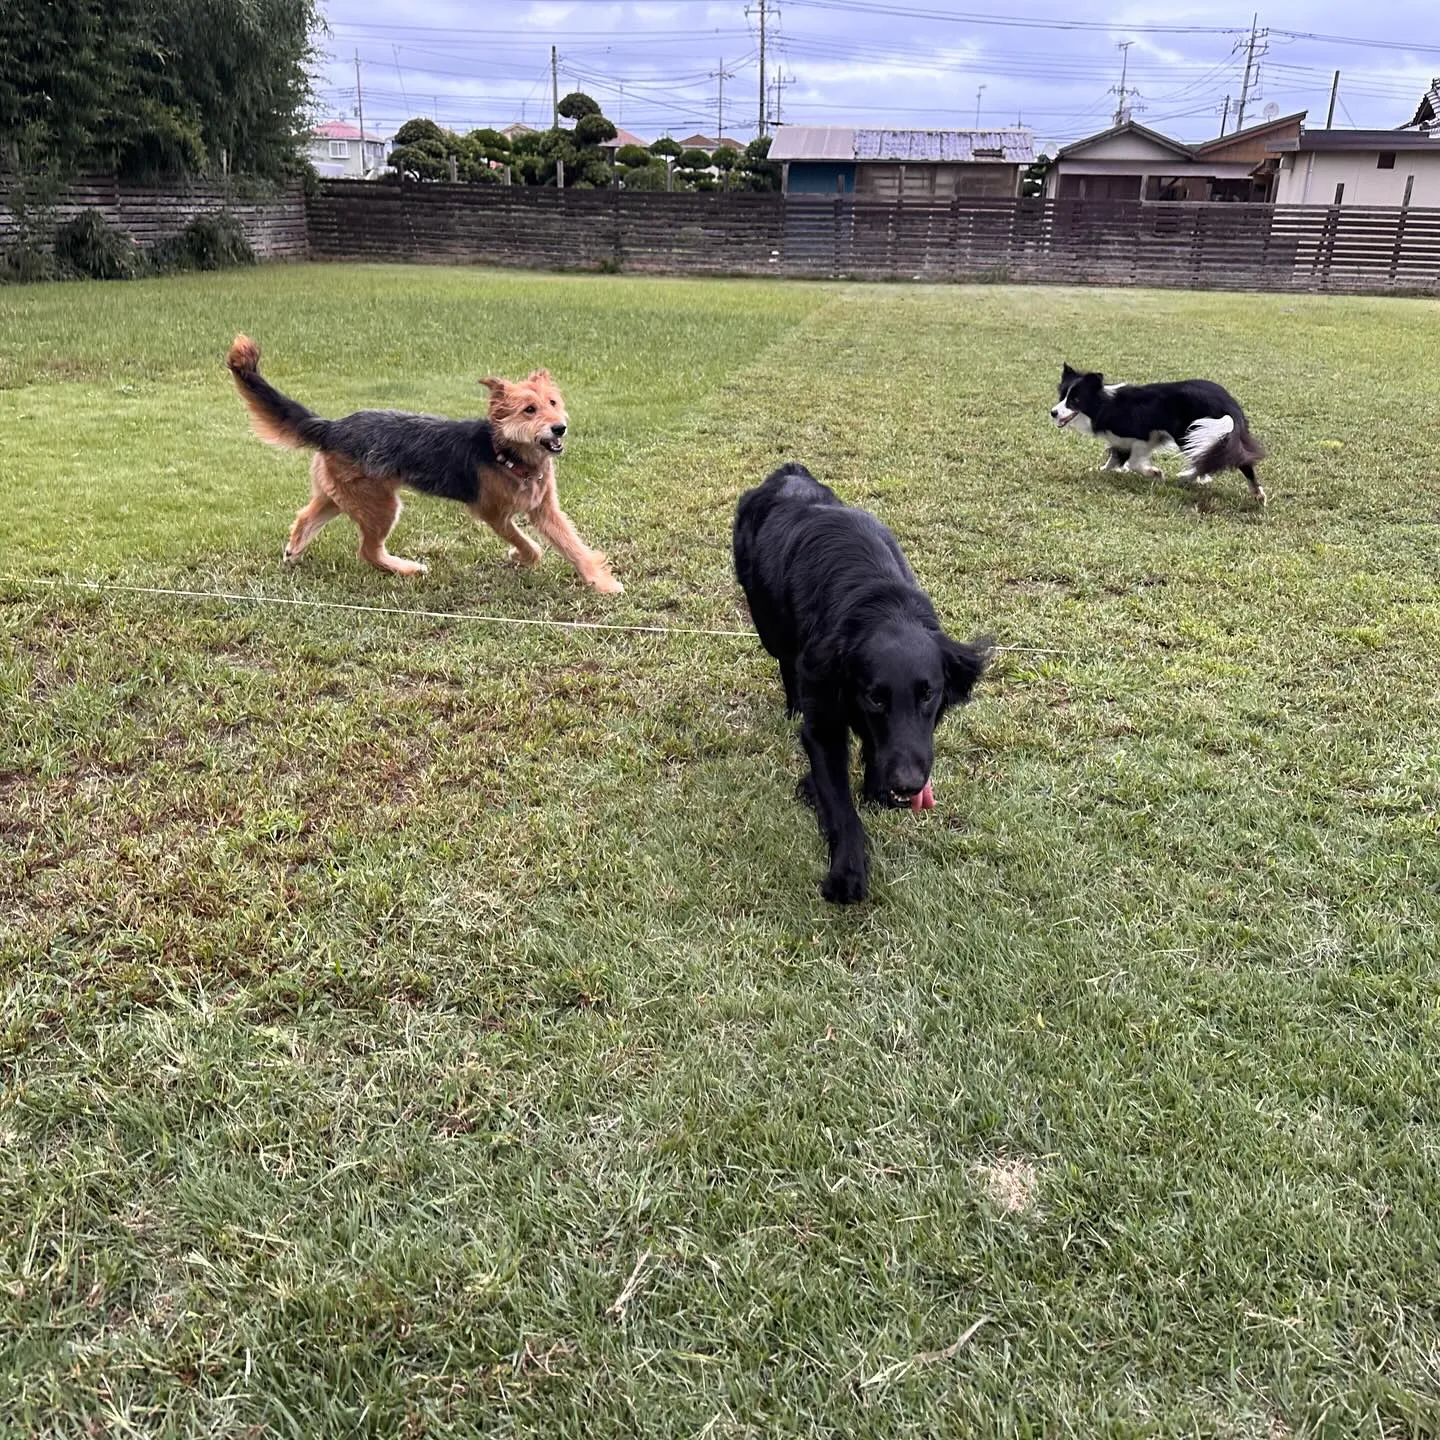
(1219, 246)
(276, 227)
(547, 228)
(1214, 246)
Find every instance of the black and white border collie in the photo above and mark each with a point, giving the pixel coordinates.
(1200, 418)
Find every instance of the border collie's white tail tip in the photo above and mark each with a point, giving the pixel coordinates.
(1204, 435)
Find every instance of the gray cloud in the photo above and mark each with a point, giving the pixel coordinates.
(655, 64)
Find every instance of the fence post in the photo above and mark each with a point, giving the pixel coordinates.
(1400, 231)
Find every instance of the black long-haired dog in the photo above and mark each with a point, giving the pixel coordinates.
(859, 648)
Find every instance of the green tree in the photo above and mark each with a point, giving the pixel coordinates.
(1032, 182)
(594, 130)
(756, 170)
(725, 160)
(155, 86)
(424, 150)
(577, 105)
(421, 150)
(665, 146)
(692, 170)
(631, 156)
(654, 176)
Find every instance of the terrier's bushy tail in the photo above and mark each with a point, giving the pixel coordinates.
(276, 418)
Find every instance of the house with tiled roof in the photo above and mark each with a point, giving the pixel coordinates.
(1427, 116)
(338, 151)
(901, 164)
(623, 138)
(709, 144)
(1132, 162)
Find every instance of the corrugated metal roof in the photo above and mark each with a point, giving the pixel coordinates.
(813, 142)
(1015, 146)
(946, 147)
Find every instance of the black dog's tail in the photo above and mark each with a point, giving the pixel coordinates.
(276, 417)
(1223, 442)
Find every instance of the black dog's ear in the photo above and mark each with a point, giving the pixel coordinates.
(1067, 374)
(964, 665)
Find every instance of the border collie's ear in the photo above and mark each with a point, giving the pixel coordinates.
(964, 665)
(1067, 374)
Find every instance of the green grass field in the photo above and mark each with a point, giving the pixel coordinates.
(426, 1027)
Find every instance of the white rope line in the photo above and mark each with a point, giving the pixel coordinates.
(116, 587)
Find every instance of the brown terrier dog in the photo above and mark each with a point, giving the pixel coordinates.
(501, 467)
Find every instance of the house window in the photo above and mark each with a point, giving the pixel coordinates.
(1387, 160)
(339, 149)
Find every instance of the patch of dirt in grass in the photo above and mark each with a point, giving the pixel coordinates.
(1010, 1184)
(1039, 584)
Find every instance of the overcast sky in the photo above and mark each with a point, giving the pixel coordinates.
(1053, 64)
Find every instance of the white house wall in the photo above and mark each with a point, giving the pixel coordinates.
(1310, 179)
(1129, 147)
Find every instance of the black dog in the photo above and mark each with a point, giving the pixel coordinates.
(859, 649)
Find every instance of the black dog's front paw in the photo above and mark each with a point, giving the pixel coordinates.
(805, 790)
(845, 885)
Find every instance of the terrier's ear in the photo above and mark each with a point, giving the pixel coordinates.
(539, 374)
(494, 386)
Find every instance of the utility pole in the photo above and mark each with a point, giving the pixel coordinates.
(761, 10)
(778, 85)
(1334, 96)
(978, 94)
(554, 89)
(720, 102)
(1120, 112)
(360, 111)
(762, 66)
(1225, 116)
(1249, 66)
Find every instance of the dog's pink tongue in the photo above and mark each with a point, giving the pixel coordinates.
(925, 800)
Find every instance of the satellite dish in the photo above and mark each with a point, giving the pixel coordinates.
(1271, 111)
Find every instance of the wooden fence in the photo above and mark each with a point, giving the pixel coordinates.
(548, 228)
(275, 228)
(1194, 246)
(1080, 242)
